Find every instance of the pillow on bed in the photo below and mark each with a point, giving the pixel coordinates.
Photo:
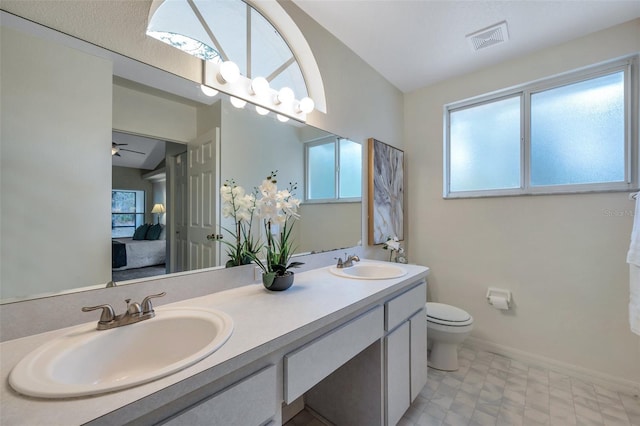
(154, 232)
(163, 233)
(141, 232)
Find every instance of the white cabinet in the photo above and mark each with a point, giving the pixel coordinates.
(397, 373)
(405, 350)
(418, 351)
(249, 402)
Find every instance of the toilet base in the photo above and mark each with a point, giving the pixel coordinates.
(443, 356)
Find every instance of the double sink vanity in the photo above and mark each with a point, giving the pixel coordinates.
(352, 341)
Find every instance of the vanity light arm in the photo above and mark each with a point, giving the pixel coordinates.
(107, 316)
(147, 306)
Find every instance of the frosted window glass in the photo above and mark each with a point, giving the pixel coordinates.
(485, 146)
(322, 176)
(350, 169)
(577, 133)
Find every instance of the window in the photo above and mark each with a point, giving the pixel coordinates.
(334, 170)
(229, 30)
(566, 134)
(127, 212)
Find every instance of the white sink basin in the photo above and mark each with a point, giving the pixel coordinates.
(87, 361)
(370, 271)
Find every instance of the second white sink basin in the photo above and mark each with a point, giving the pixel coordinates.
(370, 271)
(88, 362)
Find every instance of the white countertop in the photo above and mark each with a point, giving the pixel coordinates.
(263, 322)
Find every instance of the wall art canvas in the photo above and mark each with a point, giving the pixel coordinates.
(386, 192)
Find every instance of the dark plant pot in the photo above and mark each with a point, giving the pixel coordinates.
(279, 283)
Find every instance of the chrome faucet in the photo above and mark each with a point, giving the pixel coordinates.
(348, 262)
(135, 312)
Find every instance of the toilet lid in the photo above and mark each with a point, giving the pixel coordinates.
(441, 313)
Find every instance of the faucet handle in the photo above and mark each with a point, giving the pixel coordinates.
(146, 302)
(108, 314)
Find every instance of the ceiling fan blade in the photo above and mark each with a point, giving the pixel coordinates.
(130, 150)
(118, 144)
(117, 155)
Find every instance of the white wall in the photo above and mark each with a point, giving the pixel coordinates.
(327, 226)
(56, 115)
(148, 115)
(563, 256)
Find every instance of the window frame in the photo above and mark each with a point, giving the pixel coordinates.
(139, 216)
(628, 65)
(337, 199)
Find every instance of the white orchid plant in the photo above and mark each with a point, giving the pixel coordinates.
(393, 245)
(279, 210)
(241, 207)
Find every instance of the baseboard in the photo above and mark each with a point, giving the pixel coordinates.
(601, 379)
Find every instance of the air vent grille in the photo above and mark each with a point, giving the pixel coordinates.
(487, 37)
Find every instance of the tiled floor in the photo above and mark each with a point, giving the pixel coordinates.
(493, 390)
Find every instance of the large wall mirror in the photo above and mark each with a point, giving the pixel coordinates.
(93, 142)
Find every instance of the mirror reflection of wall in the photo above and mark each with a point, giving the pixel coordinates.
(60, 109)
(55, 166)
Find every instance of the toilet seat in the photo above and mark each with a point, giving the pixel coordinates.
(447, 315)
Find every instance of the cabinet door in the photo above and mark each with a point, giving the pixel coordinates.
(397, 373)
(418, 324)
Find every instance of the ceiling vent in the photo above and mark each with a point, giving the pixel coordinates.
(491, 36)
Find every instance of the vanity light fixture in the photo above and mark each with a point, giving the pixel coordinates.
(306, 105)
(261, 111)
(227, 78)
(284, 96)
(259, 86)
(237, 102)
(282, 118)
(228, 72)
(208, 91)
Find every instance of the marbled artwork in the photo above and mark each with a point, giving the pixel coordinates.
(386, 192)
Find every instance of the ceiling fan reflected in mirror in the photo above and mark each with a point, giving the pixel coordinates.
(115, 149)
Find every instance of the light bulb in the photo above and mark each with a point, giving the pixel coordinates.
(284, 96)
(209, 91)
(282, 118)
(237, 102)
(229, 72)
(262, 111)
(260, 86)
(306, 105)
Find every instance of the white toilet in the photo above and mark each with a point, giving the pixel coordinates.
(447, 327)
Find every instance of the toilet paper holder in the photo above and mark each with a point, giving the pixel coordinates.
(494, 293)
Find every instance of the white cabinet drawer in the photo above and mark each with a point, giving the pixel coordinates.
(311, 363)
(251, 401)
(402, 307)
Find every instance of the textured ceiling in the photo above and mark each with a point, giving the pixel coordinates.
(415, 43)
